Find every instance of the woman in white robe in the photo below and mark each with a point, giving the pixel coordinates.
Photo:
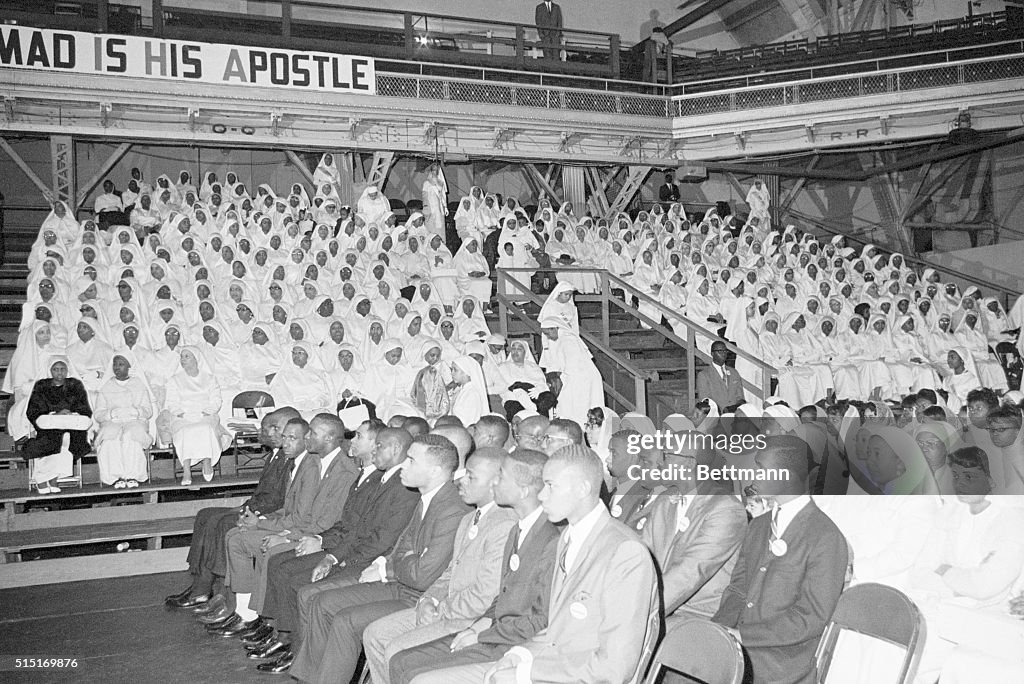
(473, 273)
(122, 411)
(390, 381)
(937, 440)
(191, 414)
(347, 376)
(327, 172)
(89, 355)
(435, 200)
(470, 398)
(302, 383)
(962, 378)
(567, 354)
(29, 363)
(524, 377)
(559, 304)
(373, 205)
(260, 357)
(647, 278)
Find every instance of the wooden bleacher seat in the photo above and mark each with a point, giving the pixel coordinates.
(13, 543)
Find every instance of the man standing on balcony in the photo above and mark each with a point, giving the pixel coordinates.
(548, 18)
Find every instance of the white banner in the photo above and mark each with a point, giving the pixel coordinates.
(22, 47)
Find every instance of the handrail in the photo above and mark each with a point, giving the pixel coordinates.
(506, 305)
(915, 260)
(854, 66)
(693, 329)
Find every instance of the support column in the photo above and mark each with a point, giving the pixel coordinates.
(62, 165)
(574, 187)
(347, 186)
(100, 175)
(635, 179)
(379, 169)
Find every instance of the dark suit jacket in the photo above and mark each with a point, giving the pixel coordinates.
(724, 392)
(696, 564)
(521, 608)
(384, 511)
(426, 546)
(782, 604)
(668, 193)
(324, 508)
(547, 20)
(269, 494)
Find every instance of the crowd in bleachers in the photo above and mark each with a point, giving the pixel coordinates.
(146, 322)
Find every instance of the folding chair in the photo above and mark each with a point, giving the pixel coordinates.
(701, 651)
(880, 612)
(73, 480)
(246, 444)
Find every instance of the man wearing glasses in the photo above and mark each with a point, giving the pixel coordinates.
(559, 433)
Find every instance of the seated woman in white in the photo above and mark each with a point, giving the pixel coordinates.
(473, 273)
(123, 409)
(29, 363)
(470, 400)
(389, 382)
(190, 414)
(962, 378)
(525, 378)
(302, 383)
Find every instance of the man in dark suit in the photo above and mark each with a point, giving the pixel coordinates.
(789, 573)
(548, 18)
(633, 499)
(719, 382)
(669, 191)
(521, 607)
(694, 533)
(377, 510)
(207, 560)
(332, 622)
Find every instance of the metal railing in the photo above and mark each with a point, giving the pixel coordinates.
(605, 297)
(906, 79)
(1007, 294)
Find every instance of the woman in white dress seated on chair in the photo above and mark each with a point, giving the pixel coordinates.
(190, 415)
(59, 411)
(123, 409)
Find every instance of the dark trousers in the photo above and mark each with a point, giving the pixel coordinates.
(286, 574)
(437, 655)
(330, 649)
(207, 558)
(47, 442)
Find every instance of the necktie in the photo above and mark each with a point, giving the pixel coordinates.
(515, 539)
(562, 557)
(476, 517)
(291, 466)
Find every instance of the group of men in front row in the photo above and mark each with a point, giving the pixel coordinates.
(454, 555)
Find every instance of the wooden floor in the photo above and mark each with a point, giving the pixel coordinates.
(120, 632)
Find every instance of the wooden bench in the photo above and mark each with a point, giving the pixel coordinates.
(13, 543)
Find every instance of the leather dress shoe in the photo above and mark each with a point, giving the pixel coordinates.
(280, 665)
(251, 645)
(188, 601)
(272, 650)
(178, 597)
(257, 637)
(231, 620)
(232, 628)
(216, 601)
(217, 616)
(256, 625)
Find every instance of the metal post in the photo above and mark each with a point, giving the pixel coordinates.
(502, 309)
(410, 37)
(605, 294)
(286, 18)
(614, 61)
(520, 46)
(158, 18)
(102, 20)
(691, 366)
(639, 389)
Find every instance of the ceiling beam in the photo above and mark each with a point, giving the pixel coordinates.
(753, 167)
(693, 16)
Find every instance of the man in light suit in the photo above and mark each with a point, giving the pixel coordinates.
(332, 622)
(694, 534)
(719, 382)
(331, 481)
(206, 555)
(469, 584)
(789, 573)
(520, 609)
(548, 18)
(603, 617)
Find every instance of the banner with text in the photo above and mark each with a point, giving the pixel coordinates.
(22, 47)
